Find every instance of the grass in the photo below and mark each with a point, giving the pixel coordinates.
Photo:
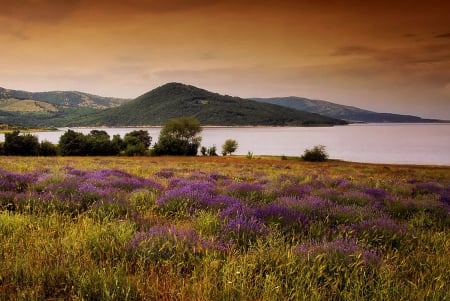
(222, 228)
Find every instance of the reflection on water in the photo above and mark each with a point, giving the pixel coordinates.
(377, 143)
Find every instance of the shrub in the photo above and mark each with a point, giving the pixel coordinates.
(229, 147)
(316, 154)
(20, 145)
(47, 148)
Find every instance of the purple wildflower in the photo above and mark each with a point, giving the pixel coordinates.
(381, 232)
(165, 173)
(244, 188)
(377, 193)
(284, 216)
(10, 181)
(243, 230)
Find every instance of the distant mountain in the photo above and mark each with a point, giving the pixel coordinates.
(348, 113)
(50, 108)
(57, 100)
(174, 100)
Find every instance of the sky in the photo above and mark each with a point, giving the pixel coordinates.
(387, 56)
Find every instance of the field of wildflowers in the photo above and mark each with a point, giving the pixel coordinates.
(222, 228)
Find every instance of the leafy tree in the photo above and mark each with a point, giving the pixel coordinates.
(229, 147)
(118, 143)
(72, 143)
(21, 145)
(135, 143)
(180, 136)
(212, 151)
(47, 148)
(142, 135)
(134, 146)
(203, 150)
(316, 154)
(99, 144)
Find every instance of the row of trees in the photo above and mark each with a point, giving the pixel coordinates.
(180, 136)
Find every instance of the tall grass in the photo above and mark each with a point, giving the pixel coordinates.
(222, 229)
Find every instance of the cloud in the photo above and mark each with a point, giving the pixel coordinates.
(444, 35)
(14, 31)
(146, 6)
(354, 50)
(37, 10)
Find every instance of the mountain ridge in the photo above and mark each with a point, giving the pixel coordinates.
(349, 113)
(174, 100)
(63, 99)
(74, 108)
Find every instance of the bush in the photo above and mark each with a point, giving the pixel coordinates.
(20, 145)
(47, 148)
(316, 154)
(229, 147)
(179, 137)
(212, 151)
(72, 143)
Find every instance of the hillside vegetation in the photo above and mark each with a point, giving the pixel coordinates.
(348, 113)
(175, 100)
(54, 108)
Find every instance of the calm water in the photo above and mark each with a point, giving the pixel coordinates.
(376, 143)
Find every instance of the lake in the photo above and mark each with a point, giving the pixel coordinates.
(371, 143)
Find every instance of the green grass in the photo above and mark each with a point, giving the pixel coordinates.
(52, 255)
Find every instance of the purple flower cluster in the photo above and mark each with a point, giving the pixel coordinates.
(10, 181)
(74, 191)
(243, 229)
(311, 206)
(287, 218)
(165, 173)
(244, 188)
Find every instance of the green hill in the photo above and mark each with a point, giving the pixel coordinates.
(54, 108)
(175, 100)
(333, 110)
(59, 100)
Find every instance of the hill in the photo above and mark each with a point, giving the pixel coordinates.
(348, 113)
(59, 100)
(174, 100)
(54, 108)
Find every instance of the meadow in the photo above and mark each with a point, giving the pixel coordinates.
(222, 228)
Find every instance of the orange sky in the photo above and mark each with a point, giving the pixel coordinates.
(377, 55)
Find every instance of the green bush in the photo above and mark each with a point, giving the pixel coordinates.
(316, 154)
(47, 148)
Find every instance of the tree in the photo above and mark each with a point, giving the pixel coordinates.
(203, 150)
(118, 143)
(99, 144)
(47, 148)
(229, 147)
(141, 135)
(212, 151)
(21, 145)
(72, 143)
(180, 136)
(316, 154)
(135, 143)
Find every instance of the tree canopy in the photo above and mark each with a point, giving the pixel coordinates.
(180, 136)
(229, 147)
